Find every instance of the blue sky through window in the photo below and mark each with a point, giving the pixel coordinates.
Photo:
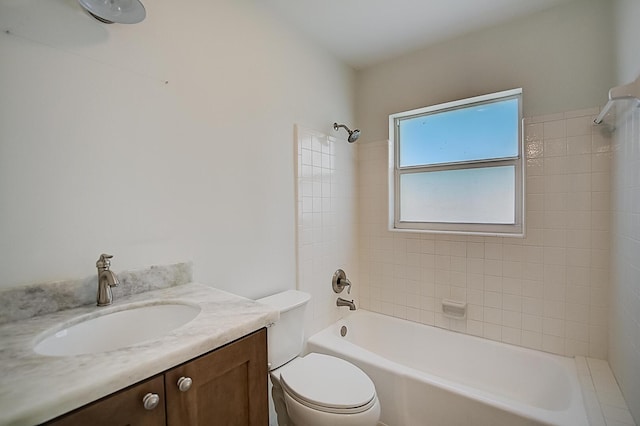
(476, 132)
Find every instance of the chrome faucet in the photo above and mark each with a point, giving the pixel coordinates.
(344, 302)
(106, 280)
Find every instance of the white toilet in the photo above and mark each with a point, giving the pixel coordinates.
(316, 389)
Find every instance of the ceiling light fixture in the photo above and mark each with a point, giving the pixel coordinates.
(115, 11)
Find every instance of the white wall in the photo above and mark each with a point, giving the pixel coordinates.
(624, 327)
(169, 140)
(627, 34)
(562, 58)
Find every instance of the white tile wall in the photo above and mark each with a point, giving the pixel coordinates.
(326, 222)
(624, 347)
(602, 397)
(547, 291)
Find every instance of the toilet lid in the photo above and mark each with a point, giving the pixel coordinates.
(329, 382)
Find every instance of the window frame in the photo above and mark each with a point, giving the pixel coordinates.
(516, 229)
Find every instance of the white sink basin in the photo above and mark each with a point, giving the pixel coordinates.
(116, 328)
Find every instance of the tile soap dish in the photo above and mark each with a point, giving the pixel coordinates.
(454, 309)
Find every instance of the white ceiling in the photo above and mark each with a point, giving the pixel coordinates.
(364, 32)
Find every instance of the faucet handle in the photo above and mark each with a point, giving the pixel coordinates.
(344, 282)
(340, 281)
(104, 262)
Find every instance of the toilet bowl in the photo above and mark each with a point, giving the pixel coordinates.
(315, 389)
(323, 390)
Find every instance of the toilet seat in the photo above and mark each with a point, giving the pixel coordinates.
(329, 384)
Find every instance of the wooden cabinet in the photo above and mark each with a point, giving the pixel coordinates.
(227, 386)
(122, 408)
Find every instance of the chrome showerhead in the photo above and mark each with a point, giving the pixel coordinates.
(353, 134)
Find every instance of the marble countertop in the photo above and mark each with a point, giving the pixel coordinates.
(35, 388)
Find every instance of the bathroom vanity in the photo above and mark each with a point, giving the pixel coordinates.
(226, 386)
(214, 367)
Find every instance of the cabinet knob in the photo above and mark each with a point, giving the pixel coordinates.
(184, 383)
(150, 401)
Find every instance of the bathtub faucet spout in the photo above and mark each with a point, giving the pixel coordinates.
(344, 302)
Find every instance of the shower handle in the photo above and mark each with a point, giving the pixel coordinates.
(340, 281)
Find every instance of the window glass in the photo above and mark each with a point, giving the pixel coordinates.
(477, 132)
(478, 195)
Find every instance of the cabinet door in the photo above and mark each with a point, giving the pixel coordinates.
(122, 408)
(229, 386)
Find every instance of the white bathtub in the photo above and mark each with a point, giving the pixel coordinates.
(429, 376)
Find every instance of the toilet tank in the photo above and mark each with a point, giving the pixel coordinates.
(285, 338)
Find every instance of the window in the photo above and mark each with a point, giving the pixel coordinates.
(458, 167)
